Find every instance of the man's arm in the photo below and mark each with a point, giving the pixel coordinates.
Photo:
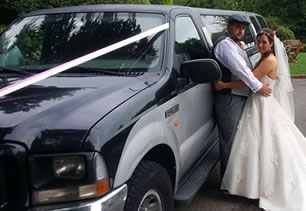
(265, 90)
(227, 54)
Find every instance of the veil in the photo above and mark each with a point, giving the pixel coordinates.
(283, 89)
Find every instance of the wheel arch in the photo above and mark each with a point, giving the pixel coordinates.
(163, 155)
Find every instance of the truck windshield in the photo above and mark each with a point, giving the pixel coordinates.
(37, 43)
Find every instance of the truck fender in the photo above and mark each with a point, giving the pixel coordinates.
(147, 133)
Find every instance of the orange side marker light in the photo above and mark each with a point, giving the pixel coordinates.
(102, 187)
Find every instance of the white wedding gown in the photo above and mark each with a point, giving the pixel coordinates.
(268, 157)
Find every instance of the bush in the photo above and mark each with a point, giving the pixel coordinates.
(285, 33)
(169, 2)
(274, 22)
(2, 27)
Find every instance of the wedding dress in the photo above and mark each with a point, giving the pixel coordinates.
(268, 157)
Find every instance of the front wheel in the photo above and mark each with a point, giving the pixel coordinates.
(149, 189)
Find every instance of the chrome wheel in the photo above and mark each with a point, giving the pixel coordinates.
(149, 189)
(151, 202)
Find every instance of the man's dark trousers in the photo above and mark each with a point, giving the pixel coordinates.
(228, 108)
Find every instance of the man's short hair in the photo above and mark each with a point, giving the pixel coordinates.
(238, 18)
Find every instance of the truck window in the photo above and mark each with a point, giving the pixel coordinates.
(37, 43)
(216, 24)
(255, 24)
(262, 21)
(188, 45)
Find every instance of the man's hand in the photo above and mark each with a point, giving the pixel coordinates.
(265, 90)
(219, 85)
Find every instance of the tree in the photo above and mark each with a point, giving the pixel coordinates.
(10, 9)
(290, 13)
(169, 2)
(181, 2)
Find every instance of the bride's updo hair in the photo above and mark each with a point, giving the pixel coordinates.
(269, 33)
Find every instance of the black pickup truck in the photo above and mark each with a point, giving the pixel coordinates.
(132, 129)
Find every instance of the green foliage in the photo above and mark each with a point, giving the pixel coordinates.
(181, 2)
(202, 4)
(291, 13)
(11, 9)
(299, 68)
(285, 33)
(166, 2)
(23, 6)
(274, 22)
(30, 44)
(288, 13)
(2, 27)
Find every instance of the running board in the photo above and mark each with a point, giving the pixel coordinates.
(196, 176)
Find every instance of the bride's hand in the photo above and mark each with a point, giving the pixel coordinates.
(219, 85)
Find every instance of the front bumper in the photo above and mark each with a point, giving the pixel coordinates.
(114, 201)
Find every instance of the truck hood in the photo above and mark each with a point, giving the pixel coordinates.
(55, 114)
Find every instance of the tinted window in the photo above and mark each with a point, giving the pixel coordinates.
(255, 24)
(41, 42)
(216, 24)
(262, 21)
(188, 45)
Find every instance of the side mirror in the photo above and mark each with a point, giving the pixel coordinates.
(201, 70)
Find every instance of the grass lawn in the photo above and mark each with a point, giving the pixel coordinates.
(300, 67)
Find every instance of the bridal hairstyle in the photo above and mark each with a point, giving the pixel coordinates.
(269, 33)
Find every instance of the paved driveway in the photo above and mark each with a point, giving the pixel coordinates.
(210, 198)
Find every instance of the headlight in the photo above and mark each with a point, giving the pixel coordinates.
(69, 167)
(68, 177)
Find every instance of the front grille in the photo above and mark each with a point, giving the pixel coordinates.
(13, 193)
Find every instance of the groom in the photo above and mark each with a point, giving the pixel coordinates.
(235, 65)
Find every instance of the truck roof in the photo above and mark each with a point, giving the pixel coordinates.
(128, 8)
(107, 7)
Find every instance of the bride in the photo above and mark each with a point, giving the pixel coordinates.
(268, 156)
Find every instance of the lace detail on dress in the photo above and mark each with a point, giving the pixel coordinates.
(249, 115)
(274, 132)
(238, 177)
(274, 159)
(243, 150)
(268, 192)
(292, 180)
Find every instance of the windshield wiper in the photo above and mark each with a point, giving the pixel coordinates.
(106, 72)
(18, 71)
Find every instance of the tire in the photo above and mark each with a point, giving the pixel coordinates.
(149, 187)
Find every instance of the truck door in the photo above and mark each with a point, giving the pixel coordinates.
(195, 100)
